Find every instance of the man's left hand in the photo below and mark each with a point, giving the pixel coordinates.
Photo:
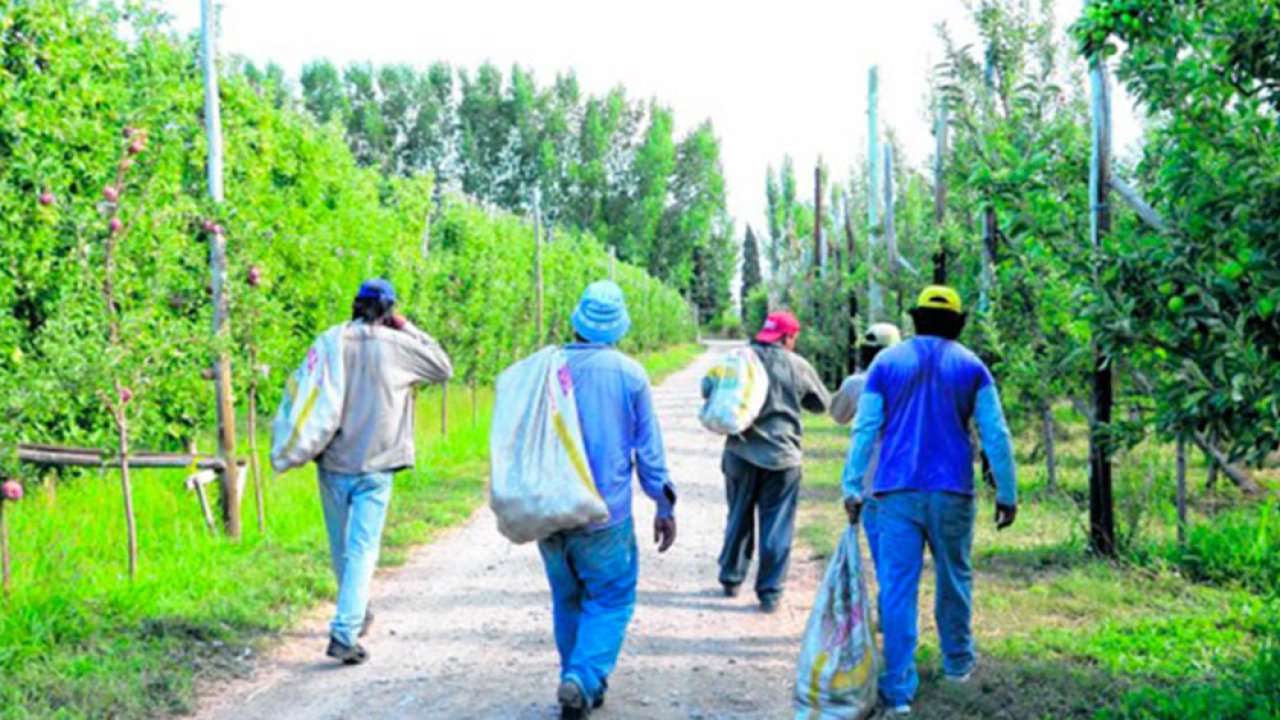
(664, 533)
(1005, 515)
(853, 508)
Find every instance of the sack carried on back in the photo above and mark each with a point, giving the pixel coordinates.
(836, 675)
(739, 387)
(311, 410)
(539, 479)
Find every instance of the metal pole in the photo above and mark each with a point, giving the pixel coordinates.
(1102, 534)
(218, 269)
(873, 191)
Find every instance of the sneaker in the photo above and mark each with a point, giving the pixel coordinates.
(957, 679)
(898, 710)
(573, 703)
(769, 606)
(368, 622)
(730, 590)
(348, 654)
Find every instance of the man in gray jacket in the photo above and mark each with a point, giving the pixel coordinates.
(762, 466)
(385, 357)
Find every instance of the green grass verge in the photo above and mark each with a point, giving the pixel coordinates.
(1065, 636)
(79, 639)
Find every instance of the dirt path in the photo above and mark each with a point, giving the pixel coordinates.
(464, 629)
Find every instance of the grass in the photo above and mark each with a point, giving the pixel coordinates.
(79, 639)
(1165, 632)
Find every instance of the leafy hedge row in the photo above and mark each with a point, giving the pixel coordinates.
(73, 78)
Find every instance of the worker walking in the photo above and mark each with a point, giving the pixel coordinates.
(844, 404)
(762, 466)
(593, 570)
(920, 397)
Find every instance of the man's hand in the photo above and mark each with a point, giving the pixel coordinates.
(854, 510)
(396, 320)
(1005, 515)
(664, 533)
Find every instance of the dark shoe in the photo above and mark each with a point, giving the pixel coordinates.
(730, 590)
(348, 654)
(573, 703)
(769, 606)
(368, 622)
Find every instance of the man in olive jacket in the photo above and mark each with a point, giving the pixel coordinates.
(762, 466)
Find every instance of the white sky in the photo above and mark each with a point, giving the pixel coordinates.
(775, 78)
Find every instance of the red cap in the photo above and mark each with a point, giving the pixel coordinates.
(777, 326)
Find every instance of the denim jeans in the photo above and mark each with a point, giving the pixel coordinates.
(355, 509)
(773, 493)
(907, 521)
(593, 595)
(871, 527)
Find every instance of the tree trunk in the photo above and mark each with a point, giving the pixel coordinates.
(1050, 448)
(444, 409)
(131, 527)
(1233, 473)
(4, 549)
(1182, 491)
(255, 470)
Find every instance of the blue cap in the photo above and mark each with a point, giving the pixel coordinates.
(376, 289)
(601, 316)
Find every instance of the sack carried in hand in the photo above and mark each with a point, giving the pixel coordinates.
(539, 479)
(837, 674)
(311, 410)
(739, 387)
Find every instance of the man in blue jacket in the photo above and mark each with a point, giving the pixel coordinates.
(919, 398)
(593, 570)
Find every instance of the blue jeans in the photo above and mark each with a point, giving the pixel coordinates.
(772, 493)
(870, 522)
(355, 509)
(907, 522)
(593, 595)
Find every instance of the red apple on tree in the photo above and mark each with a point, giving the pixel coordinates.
(125, 395)
(254, 276)
(116, 225)
(46, 198)
(137, 145)
(11, 490)
(109, 194)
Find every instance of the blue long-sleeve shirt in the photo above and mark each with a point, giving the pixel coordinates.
(920, 397)
(619, 429)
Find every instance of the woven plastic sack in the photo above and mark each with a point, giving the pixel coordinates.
(310, 412)
(539, 478)
(837, 672)
(739, 387)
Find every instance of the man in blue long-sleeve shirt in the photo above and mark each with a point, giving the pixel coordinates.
(593, 570)
(920, 397)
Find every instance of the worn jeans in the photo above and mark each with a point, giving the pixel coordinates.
(355, 510)
(773, 493)
(907, 521)
(593, 595)
(870, 522)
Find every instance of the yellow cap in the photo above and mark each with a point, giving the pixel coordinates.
(940, 297)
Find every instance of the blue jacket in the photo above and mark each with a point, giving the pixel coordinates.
(919, 398)
(619, 429)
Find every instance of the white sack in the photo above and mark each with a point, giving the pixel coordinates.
(311, 410)
(539, 478)
(739, 387)
(837, 672)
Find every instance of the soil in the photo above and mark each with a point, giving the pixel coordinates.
(464, 628)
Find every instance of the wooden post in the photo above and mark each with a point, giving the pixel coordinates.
(444, 409)
(1182, 490)
(613, 263)
(475, 402)
(941, 130)
(873, 193)
(818, 255)
(1102, 534)
(537, 267)
(218, 269)
(254, 467)
(1050, 448)
(851, 262)
(131, 525)
(196, 483)
(4, 548)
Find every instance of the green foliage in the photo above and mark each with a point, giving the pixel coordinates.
(1238, 546)
(1199, 301)
(751, 275)
(611, 166)
(300, 208)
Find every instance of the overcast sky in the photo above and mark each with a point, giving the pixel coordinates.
(775, 78)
